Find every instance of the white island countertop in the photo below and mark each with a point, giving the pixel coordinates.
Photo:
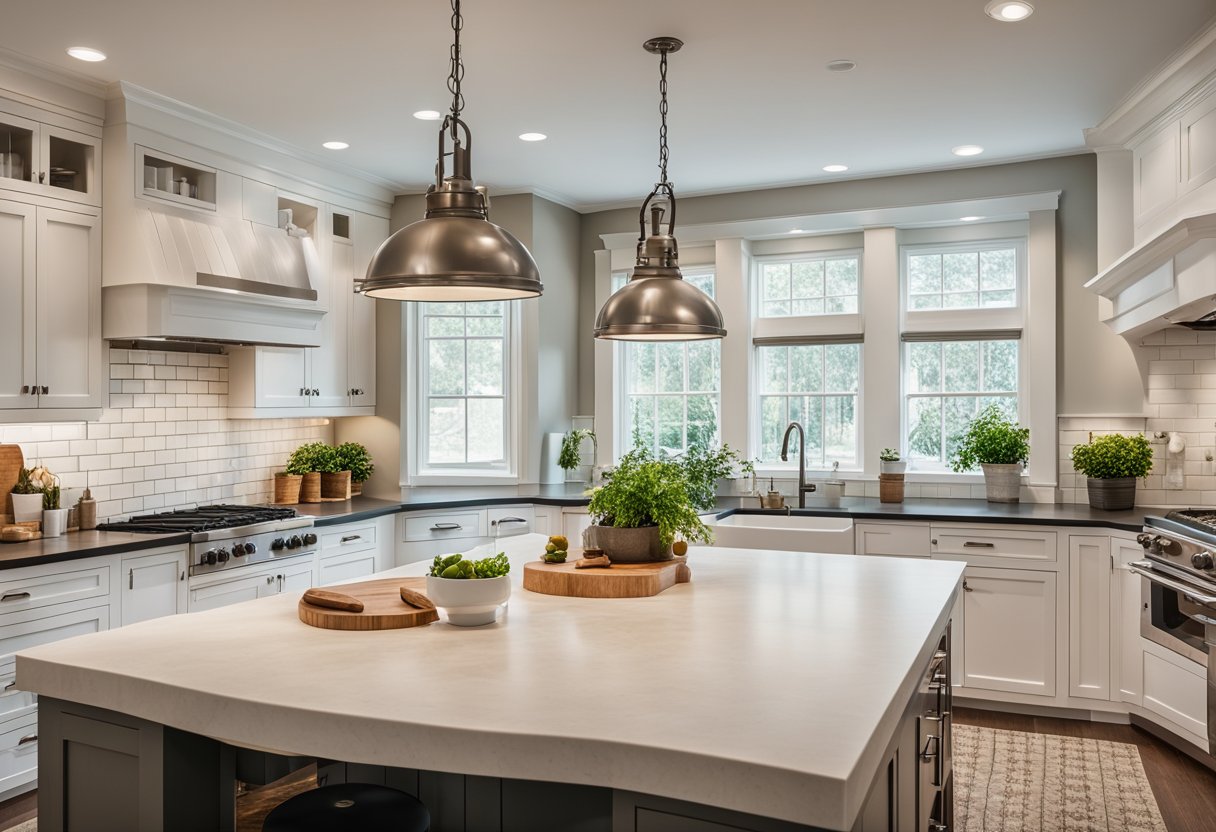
(771, 684)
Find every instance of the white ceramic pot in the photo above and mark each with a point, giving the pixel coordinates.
(27, 508)
(1002, 483)
(54, 521)
(899, 466)
(469, 602)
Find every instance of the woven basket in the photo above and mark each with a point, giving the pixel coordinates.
(890, 488)
(310, 488)
(335, 486)
(287, 489)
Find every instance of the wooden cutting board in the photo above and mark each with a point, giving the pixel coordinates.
(621, 580)
(11, 463)
(383, 608)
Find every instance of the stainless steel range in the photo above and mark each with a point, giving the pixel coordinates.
(229, 536)
(1179, 591)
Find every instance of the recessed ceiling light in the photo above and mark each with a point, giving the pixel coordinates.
(970, 219)
(835, 168)
(335, 145)
(842, 65)
(87, 53)
(428, 115)
(967, 150)
(1008, 11)
(532, 137)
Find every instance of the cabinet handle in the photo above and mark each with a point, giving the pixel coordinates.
(270, 579)
(315, 391)
(11, 685)
(183, 577)
(967, 588)
(28, 738)
(45, 389)
(351, 538)
(25, 388)
(973, 544)
(14, 596)
(934, 541)
(502, 520)
(440, 527)
(130, 579)
(933, 741)
(41, 177)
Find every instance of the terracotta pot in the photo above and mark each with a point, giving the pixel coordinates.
(287, 488)
(639, 545)
(310, 488)
(1002, 483)
(1118, 494)
(890, 488)
(336, 486)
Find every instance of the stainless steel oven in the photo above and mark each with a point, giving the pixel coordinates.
(1172, 616)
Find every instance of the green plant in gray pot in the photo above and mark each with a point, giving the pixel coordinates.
(643, 508)
(1112, 464)
(1000, 447)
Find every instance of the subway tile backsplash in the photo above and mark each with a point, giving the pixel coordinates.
(166, 441)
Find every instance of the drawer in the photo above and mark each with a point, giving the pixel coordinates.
(1177, 693)
(416, 550)
(505, 522)
(18, 750)
(40, 590)
(348, 539)
(13, 702)
(993, 544)
(347, 568)
(900, 539)
(21, 631)
(443, 526)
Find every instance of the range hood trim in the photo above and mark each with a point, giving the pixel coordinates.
(1152, 254)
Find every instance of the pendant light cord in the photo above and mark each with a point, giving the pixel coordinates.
(663, 118)
(456, 74)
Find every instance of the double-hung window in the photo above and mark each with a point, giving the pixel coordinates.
(963, 314)
(463, 408)
(670, 391)
(807, 362)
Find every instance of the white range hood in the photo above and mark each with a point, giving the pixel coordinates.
(1167, 280)
(206, 278)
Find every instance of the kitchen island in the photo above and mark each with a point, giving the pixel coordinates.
(776, 691)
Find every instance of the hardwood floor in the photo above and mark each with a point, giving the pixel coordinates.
(1185, 790)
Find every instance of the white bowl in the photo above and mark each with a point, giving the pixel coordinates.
(469, 602)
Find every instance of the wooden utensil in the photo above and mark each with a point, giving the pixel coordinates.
(383, 607)
(11, 463)
(621, 580)
(333, 600)
(18, 534)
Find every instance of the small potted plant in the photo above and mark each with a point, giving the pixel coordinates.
(469, 591)
(287, 487)
(704, 468)
(891, 476)
(890, 462)
(570, 457)
(354, 457)
(27, 497)
(335, 480)
(54, 518)
(1112, 464)
(306, 462)
(999, 446)
(642, 508)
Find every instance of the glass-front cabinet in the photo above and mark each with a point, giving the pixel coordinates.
(50, 160)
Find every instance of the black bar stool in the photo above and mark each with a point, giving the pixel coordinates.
(349, 807)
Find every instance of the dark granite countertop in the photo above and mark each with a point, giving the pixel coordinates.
(73, 545)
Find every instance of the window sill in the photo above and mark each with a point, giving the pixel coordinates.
(462, 478)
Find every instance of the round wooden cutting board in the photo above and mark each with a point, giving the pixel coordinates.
(620, 580)
(383, 608)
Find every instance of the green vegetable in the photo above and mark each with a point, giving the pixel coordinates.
(991, 439)
(455, 566)
(494, 567)
(555, 557)
(1114, 456)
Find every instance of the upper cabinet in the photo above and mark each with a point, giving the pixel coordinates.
(48, 159)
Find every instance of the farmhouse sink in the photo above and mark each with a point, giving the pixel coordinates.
(789, 533)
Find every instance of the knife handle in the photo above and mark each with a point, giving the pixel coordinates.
(333, 600)
(416, 599)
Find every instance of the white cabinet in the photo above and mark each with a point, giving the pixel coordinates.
(994, 545)
(354, 550)
(574, 522)
(1089, 630)
(154, 585)
(440, 533)
(1155, 168)
(508, 521)
(1127, 653)
(295, 577)
(1009, 633)
(50, 274)
(898, 539)
(289, 575)
(368, 233)
(51, 160)
(1176, 689)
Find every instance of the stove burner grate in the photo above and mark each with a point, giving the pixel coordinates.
(200, 519)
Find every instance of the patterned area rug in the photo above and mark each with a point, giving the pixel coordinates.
(28, 826)
(1013, 781)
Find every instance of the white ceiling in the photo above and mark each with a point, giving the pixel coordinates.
(751, 102)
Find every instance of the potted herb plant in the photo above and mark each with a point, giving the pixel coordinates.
(287, 487)
(354, 457)
(570, 457)
(642, 508)
(890, 462)
(891, 476)
(999, 446)
(335, 480)
(27, 497)
(704, 468)
(306, 462)
(1112, 464)
(54, 518)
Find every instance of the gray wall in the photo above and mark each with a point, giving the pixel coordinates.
(555, 245)
(1096, 372)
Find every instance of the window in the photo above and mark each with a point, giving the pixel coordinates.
(812, 286)
(817, 386)
(671, 397)
(984, 278)
(464, 372)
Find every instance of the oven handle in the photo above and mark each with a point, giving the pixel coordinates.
(1145, 570)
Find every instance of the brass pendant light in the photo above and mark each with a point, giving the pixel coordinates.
(657, 304)
(455, 253)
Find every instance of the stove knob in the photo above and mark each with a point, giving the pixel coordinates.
(277, 544)
(1202, 560)
(310, 539)
(1145, 540)
(250, 548)
(208, 558)
(295, 542)
(241, 549)
(221, 556)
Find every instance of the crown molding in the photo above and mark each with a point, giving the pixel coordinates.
(56, 75)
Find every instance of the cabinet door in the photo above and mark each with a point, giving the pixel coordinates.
(574, 523)
(18, 286)
(327, 374)
(297, 577)
(282, 377)
(223, 593)
(70, 164)
(20, 144)
(1127, 668)
(1009, 637)
(153, 586)
(68, 335)
(367, 235)
(347, 568)
(1089, 571)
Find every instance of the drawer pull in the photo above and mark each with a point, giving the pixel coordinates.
(27, 739)
(446, 527)
(967, 588)
(502, 520)
(14, 596)
(974, 544)
(11, 685)
(351, 538)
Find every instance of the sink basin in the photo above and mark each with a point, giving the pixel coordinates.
(789, 533)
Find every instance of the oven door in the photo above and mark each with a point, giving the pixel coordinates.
(1173, 612)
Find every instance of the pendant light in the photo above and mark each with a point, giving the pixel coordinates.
(455, 253)
(657, 304)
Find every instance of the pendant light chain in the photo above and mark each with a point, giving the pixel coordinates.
(456, 74)
(663, 118)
